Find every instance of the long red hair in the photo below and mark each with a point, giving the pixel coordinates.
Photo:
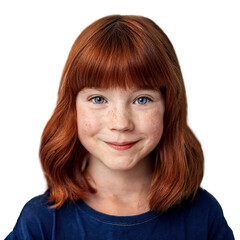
(122, 51)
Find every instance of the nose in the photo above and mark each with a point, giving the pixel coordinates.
(120, 119)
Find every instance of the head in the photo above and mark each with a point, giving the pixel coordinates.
(123, 52)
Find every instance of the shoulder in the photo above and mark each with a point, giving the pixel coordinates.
(37, 207)
(205, 211)
(206, 201)
(36, 219)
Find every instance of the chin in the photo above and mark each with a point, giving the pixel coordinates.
(121, 165)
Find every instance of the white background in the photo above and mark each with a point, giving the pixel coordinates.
(36, 37)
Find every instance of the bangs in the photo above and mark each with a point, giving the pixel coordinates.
(119, 55)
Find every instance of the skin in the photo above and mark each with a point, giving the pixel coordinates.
(119, 128)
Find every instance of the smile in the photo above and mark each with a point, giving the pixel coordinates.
(121, 146)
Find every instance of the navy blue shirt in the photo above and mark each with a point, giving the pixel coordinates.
(200, 220)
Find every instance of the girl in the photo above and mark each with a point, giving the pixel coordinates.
(119, 158)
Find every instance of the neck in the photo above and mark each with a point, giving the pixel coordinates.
(120, 192)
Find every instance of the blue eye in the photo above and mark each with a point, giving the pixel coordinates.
(98, 100)
(143, 100)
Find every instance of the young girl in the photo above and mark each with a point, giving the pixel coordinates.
(119, 158)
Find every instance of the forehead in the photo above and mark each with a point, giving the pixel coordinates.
(121, 89)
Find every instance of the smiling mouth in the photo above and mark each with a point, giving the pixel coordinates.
(121, 146)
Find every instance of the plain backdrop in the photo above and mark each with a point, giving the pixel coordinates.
(35, 39)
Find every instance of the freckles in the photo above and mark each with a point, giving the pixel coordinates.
(88, 124)
(156, 126)
(153, 124)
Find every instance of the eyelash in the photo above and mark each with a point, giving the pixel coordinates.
(143, 97)
(92, 99)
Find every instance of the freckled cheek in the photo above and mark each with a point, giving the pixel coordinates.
(88, 125)
(153, 126)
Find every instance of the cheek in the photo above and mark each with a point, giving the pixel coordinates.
(153, 125)
(88, 124)
(156, 128)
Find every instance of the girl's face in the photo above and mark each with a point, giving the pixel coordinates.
(119, 127)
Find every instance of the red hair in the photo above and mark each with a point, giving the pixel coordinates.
(122, 51)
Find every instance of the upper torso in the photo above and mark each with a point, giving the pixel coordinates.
(203, 219)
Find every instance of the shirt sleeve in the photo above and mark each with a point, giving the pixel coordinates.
(217, 224)
(34, 223)
(10, 237)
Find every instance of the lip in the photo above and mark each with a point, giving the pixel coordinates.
(121, 146)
